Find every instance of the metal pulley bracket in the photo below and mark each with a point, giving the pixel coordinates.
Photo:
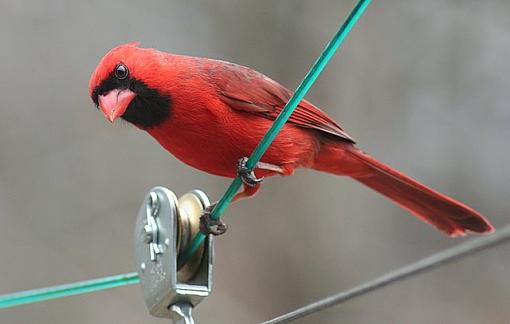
(164, 227)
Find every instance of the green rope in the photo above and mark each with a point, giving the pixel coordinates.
(282, 118)
(76, 288)
(37, 295)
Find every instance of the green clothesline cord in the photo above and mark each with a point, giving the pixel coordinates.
(37, 295)
(76, 288)
(282, 118)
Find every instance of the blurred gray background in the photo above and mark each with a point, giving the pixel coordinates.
(422, 85)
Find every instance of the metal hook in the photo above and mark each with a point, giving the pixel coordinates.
(183, 313)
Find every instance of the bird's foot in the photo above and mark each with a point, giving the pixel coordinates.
(211, 226)
(247, 176)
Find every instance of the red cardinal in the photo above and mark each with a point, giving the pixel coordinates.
(211, 113)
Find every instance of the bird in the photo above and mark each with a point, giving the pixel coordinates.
(211, 114)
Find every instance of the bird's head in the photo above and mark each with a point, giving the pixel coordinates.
(125, 84)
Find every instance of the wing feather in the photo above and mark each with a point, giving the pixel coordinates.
(246, 90)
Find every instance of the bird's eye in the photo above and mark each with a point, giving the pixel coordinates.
(121, 71)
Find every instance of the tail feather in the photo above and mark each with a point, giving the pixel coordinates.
(444, 213)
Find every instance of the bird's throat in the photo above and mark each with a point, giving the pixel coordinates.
(149, 108)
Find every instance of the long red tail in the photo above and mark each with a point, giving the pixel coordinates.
(444, 213)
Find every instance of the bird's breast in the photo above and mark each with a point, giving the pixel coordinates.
(210, 136)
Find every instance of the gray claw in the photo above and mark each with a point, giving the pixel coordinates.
(247, 176)
(209, 225)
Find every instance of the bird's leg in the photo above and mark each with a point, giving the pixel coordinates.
(247, 176)
(209, 225)
(270, 167)
(218, 227)
(250, 187)
(250, 183)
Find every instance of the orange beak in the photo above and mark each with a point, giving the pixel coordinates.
(114, 103)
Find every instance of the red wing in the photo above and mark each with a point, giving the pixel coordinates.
(250, 91)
